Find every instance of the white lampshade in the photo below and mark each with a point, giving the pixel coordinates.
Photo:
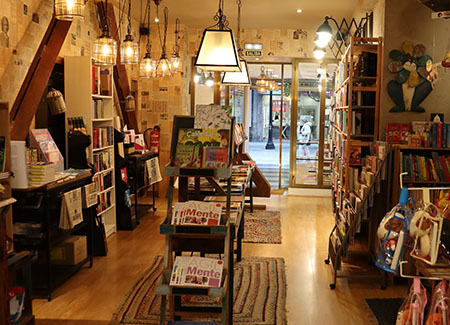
(218, 52)
(319, 53)
(237, 78)
(69, 9)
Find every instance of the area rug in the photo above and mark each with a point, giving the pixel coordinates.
(385, 310)
(259, 294)
(262, 227)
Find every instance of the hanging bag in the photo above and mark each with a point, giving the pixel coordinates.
(439, 311)
(411, 311)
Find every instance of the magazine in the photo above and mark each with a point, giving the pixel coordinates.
(197, 213)
(196, 272)
(153, 172)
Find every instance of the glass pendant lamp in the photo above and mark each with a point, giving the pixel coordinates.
(218, 51)
(105, 47)
(69, 9)
(147, 67)
(175, 60)
(129, 49)
(163, 67)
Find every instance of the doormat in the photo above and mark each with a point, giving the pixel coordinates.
(259, 294)
(262, 227)
(385, 310)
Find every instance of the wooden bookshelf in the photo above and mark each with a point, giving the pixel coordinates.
(80, 85)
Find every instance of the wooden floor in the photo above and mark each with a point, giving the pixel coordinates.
(93, 295)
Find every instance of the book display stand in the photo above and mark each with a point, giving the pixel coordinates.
(358, 188)
(202, 239)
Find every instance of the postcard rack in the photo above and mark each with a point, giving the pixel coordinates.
(217, 240)
(336, 253)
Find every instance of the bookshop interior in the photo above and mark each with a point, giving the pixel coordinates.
(163, 162)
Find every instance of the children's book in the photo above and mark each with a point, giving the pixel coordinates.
(196, 272)
(355, 155)
(187, 155)
(212, 117)
(215, 157)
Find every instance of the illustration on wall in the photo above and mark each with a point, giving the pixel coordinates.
(413, 83)
(4, 38)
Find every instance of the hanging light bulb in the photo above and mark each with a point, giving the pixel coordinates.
(163, 68)
(319, 53)
(147, 67)
(262, 78)
(175, 60)
(129, 49)
(69, 9)
(157, 2)
(105, 47)
(210, 80)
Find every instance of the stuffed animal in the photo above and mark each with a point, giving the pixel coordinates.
(421, 227)
(397, 226)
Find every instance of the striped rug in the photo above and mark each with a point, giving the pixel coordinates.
(262, 227)
(259, 294)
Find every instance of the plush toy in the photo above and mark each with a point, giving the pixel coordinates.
(421, 227)
(397, 226)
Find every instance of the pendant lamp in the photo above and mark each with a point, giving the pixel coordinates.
(69, 9)
(148, 65)
(105, 47)
(217, 51)
(238, 78)
(175, 60)
(163, 67)
(129, 49)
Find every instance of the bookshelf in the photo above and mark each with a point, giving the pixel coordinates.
(416, 162)
(89, 93)
(358, 162)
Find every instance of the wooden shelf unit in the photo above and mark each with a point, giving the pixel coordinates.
(78, 78)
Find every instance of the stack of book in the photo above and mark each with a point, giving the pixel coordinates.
(102, 161)
(40, 173)
(197, 213)
(102, 137)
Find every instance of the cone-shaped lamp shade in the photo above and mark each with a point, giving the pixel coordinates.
(218, 52)
(237, 78)
(324, 32)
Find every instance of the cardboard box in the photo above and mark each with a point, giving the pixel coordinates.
(70, 252)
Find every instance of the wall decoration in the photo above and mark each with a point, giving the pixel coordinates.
(412, 85)
(35, 18)
(4, 38)
(25, 9)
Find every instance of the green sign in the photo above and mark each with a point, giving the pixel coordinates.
(253, 53)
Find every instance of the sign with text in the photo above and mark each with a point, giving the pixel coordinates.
(253, 53)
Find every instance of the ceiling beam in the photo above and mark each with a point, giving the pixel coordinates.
(120, 72)
(36, 80)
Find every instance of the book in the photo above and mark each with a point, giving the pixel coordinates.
(213, 117)
(187, 155)
(355, 154)
(152, 171)
(215, 157)
(398, 133)
(196, 272)
(398, 250)
(2, 153)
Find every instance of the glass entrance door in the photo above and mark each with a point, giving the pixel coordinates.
(313, 89)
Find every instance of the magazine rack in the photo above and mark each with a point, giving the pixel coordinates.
(336, 253)
(200, 239)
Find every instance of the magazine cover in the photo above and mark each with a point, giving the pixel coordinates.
(153, 171)
(201, 213)
(196, 272)
(355, 155)
(212, 117)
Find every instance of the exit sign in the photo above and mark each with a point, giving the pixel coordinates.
(253, 53)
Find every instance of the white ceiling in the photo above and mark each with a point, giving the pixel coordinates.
(270, 14)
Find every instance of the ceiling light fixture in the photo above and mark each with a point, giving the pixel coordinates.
(217, 51)
(238, 78)
(105, 47)
(148, 65)
(319, 53)
(299, 11)
(157, 3)
(175, 60)
(210, 80)
(163, 68)
(69, 9)
(129, 49)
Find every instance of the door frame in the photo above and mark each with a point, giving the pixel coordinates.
(294, 119)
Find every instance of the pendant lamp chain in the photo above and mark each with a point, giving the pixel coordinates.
(220, 17)
(129, 18)
(149, 45)
(238, 35)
